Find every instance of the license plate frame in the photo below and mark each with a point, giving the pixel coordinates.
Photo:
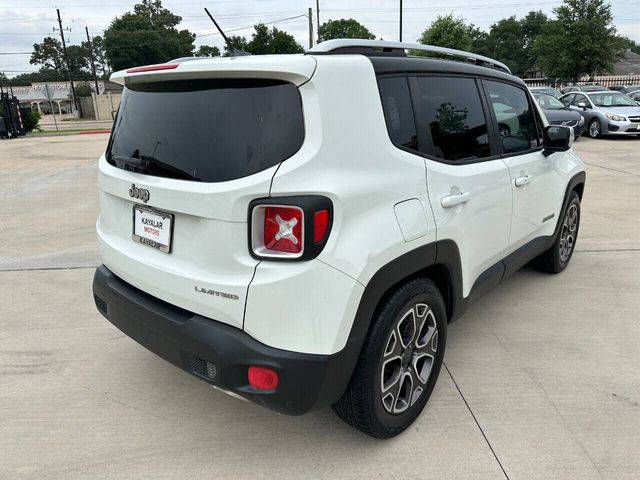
(139, 236)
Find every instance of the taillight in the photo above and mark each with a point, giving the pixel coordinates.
(262, 378)
(289, 228)
(283, 229)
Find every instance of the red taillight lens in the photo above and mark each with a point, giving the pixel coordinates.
(262, 378)
(320, 223)
(283, 229)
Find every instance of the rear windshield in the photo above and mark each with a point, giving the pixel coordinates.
(206, 130)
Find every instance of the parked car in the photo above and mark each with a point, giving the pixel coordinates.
(558, 114)
(635, 96)
(547, 91)
(583, 88)
(606, 112)
(625, 88)
(299, 230)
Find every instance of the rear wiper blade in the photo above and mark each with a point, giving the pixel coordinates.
(135, 164)
(147, 164)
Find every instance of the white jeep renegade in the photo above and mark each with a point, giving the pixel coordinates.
(300, 229)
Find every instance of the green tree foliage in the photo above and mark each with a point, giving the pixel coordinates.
(31, 119)
(99, 58)
(49, 54)
(208, 51)
(344, 28)
(83, 89)
(510, 41)
(580, 41)
(264, 41)
(148, 35)
(451, 32)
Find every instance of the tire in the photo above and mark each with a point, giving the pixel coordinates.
(558, 256)
(595, 129)
(415, 315)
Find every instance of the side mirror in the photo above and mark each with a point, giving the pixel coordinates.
(556, 138)
(582, 105)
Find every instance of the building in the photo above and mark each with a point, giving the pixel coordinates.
(56, 96)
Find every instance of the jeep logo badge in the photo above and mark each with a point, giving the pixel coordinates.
(140, 193)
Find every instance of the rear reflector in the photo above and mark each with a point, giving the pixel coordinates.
(262, 378)
(320, 223)
(153, 68)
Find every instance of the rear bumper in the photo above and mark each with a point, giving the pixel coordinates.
(220, 354)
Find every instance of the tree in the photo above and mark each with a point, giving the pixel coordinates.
(450, 32)
(264, 41)
(97, 45)
(343, 28)
(50, 55)
(83, 89)
(148, 35)
(207, 51)
(580, 41)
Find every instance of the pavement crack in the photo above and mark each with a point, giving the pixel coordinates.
(596, 250)
(476, 420)
(612, 169)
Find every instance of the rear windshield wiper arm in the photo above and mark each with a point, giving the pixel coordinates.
(146, 164)
(136, 164)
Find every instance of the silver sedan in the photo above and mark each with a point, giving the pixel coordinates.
(606, 112)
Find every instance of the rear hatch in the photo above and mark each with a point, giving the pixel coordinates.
(190, 148)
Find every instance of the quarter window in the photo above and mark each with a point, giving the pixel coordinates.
(398, 112)
(450, 114)
(515, 117)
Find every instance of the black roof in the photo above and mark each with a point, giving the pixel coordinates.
(398, 64)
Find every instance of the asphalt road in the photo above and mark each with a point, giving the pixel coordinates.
(542, 377)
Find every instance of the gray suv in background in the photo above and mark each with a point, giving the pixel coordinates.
(606, 112)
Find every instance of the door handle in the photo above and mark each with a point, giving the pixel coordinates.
(522, 181)
(453, 200)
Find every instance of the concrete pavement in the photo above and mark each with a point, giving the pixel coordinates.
(542, 377)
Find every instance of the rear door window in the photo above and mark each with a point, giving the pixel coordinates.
(515, 117)
(206, 130)
(451, 118)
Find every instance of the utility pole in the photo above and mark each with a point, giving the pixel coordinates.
(310, 27)
(93, 64)
(318, 18)
(400, 20)
(66, 58)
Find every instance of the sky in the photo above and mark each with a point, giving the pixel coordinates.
(25, 22)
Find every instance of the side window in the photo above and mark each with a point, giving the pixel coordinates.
(566, 100)
(398, 111)
(515, 117)
(578, 98)
(450, 113)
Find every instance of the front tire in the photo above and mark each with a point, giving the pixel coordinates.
(595, 129)
(558, 256)
(399, 363)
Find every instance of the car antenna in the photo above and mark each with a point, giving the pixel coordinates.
(233, 51)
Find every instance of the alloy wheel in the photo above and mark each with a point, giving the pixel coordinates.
(594, 129)
(408, 358)
(568, 232)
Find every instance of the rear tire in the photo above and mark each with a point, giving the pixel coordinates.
(399, 363)
(558, 256)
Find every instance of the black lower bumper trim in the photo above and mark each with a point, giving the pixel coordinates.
(219, 353)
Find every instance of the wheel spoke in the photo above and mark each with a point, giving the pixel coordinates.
(406, 329)
(403, 399)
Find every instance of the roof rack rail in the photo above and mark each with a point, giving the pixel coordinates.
(398, 48)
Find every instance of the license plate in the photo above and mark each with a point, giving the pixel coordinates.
(152, 227)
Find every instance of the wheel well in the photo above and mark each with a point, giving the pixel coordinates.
(438, 274)
(579, 189)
